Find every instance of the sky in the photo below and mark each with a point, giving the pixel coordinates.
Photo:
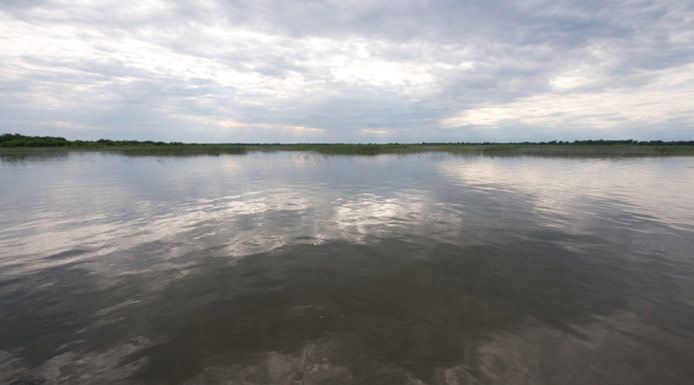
(348, 71)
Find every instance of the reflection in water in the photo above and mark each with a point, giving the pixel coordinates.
(660, 188)
(283, 269)
(28, 156)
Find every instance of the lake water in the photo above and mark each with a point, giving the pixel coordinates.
(297, 268)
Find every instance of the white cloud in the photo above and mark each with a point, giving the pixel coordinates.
(670, 96)
(367, 131)
(337, 71)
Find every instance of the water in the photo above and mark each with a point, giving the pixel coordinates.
(290, 268)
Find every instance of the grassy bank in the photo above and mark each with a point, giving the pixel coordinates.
(15, 142)
(498, 149)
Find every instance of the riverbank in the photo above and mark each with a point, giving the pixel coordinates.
(377, 149)
(14, 142)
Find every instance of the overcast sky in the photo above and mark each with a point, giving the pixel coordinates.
(347, 71)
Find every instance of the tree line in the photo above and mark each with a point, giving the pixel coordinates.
(18, 140)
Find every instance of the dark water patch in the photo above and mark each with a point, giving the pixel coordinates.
(414, 315)
(372, 303)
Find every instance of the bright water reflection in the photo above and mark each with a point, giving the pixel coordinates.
(290, 267)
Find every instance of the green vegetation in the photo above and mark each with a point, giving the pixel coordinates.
(17, 140)
(553, 148)
(127, 147)
(180, 149)
(587, 148)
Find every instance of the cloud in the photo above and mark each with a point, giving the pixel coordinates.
(668, 98)
(347, 71)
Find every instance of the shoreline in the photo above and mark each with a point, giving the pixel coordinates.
(492, 149)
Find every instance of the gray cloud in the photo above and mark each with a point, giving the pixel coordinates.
(348, 71)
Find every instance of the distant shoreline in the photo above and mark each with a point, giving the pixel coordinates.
(15, 142)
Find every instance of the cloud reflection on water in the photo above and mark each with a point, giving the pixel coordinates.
(418, 269)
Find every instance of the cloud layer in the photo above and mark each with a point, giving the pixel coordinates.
(348, 71)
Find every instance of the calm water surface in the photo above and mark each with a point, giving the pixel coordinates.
(295, 268)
